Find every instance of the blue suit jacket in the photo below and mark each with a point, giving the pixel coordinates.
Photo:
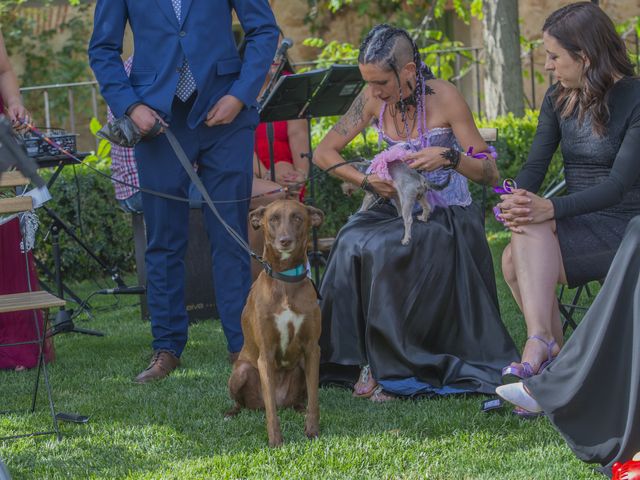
(204, 35)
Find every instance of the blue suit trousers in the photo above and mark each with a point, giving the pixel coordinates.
(223, 156)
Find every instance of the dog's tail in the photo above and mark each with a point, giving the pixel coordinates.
(439, 186)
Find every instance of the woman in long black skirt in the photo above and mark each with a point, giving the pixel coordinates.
(591, 392)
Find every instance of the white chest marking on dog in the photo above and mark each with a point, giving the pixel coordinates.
(282, 322)
(285, 255)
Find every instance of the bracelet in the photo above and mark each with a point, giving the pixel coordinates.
(452, 156)
(365, 185)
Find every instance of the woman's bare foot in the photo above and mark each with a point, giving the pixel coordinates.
(379, 396)
(366, 384)
(539, 350)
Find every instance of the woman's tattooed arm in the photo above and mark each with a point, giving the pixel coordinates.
(353, 118)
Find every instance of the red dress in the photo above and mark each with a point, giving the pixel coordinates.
(281, 149)
(18, 326)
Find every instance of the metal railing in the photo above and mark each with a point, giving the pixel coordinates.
(70, 105)
(65, 106)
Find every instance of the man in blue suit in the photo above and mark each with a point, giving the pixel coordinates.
(187, 75)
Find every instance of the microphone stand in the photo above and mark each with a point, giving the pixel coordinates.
(272, 81)
(270, 135)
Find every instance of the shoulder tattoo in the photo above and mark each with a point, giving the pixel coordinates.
(352, 118)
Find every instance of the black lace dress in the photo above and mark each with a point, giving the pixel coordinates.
(602, 175)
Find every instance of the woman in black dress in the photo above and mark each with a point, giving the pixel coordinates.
(591, 392)
(593, 112)
(422, 317)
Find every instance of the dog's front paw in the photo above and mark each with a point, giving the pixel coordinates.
(229, 414)
(276, 440)
(311, 429)
(406, 240)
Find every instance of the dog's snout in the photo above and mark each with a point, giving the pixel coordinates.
(285, 242)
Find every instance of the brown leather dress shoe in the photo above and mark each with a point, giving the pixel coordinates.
(162, 364)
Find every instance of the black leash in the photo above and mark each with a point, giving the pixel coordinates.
(168, 196)
(186, 164)
(193, 176)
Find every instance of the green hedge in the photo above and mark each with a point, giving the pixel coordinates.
(99, 222)
(85, 201)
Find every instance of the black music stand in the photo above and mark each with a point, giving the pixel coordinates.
(317, 93)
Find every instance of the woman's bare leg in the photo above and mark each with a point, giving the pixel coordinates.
(537, 268)
(509, 274)
(510, 277)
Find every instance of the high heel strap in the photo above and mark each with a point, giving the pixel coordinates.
(550, 344)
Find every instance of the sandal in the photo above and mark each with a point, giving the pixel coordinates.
(526, 414)
(520, 371)
(366, 384)
(380, 396)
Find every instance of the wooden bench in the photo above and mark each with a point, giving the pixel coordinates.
(18, 302)
(12, 179)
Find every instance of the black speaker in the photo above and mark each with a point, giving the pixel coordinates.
(199, 293)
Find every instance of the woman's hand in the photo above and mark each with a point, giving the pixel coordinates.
(428, 159)
(523, 208)
(384, 188)
(294, 178)
(18, 115)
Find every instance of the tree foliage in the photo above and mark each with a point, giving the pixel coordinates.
(405, 13)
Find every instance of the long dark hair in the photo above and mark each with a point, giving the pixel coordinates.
(586, 32)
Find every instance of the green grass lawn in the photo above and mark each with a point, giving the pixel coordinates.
(175, 429)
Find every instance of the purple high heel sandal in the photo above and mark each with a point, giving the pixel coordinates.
(520, 371)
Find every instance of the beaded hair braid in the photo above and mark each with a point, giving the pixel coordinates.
(380, 47)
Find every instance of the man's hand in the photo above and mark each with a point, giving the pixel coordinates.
(224, 111)
(145, 118)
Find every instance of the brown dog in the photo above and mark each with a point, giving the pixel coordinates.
(279, 363)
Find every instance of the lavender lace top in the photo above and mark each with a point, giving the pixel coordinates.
(457, 192)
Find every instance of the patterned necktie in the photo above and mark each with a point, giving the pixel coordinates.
(186, 83)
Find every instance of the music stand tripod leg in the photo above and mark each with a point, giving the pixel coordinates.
(63, 321)
(42, 367)
(316, 259)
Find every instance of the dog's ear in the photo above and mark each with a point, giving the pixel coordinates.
(255, 217)
(315, 215)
